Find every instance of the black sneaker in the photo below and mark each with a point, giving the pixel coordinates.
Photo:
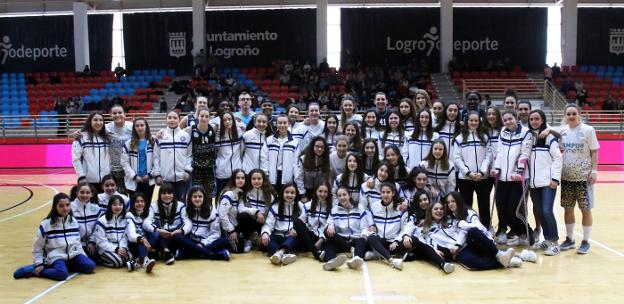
(169, 258)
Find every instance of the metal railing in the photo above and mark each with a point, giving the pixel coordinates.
(62, 126)
(553, 97)
(525, 88)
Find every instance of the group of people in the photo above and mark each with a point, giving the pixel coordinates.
(389, 185)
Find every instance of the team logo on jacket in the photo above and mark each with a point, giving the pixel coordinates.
(183, 138)
(616, 41)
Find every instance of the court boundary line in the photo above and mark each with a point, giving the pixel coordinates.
(368, 287)
(51, 288)
(30, 195)
(4, 220)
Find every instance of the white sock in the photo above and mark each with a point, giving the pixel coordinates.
(586, 232)
(570, 231)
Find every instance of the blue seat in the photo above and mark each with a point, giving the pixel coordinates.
(171, 72)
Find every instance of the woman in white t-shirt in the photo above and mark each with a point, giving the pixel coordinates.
(578, 174)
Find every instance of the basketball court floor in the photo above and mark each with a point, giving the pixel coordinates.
(25, 198)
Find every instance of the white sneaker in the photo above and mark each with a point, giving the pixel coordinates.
(552, 250)
(528, 256)
(276, 258)
(335, 262)
(504, 257)
(371, 255)
(148, 264)
(515, 262)
(396, 263)
(247, 246)
(288, 258)
(501, 238)
(518, 241)
(355, 263)
(541, 245)
(448, 267)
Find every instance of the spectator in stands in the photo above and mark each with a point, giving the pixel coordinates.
(620, 104)
(117, 100)
(163, 105)
(548, 73)
(487, 102)
(556, 71)
(324, 66)
(608, 104)
(453, 65)
(567, 85)
(199, 63)
(105, 104)
(61, 109)
(581, 97)
(86, 71)
(119, 71)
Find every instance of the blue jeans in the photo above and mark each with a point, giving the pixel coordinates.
(59, 270)
(543, 201)
(192, 249)
(278, 242)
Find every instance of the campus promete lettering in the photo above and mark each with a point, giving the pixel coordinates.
(245, 36)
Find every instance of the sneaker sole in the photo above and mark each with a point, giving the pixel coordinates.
(356, 264)
(275, 260)
(286, 260)
(150, 266)
(579, 251)
(571, 247)
(449, 268)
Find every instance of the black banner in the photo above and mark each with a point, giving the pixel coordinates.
(100, 42)
(395, 35)
(515, 36)
(258, 37)
(159, 40)
(37, 44)
(600, 39)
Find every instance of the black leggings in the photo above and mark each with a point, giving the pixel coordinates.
(508, 196)
(483, 189)
(305, 237)
(423, 251)
(338, 243)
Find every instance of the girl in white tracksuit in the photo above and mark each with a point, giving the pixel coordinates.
(344, 230)
(417, 180)
(110, 234)
(331, 131)
(86, 214)
(165, 221)
(371, 128)
(370, 190)
(449, 127)
(418, 143)
(283, 154)
(110, 188)
(138, 244)
(278, 233)
(393, 134)
(472, 157)
(137, 160)
(229, 150)
(440, 171)
(513, 153)
(238, 219)
(204, 238)
(57, 249)
(312, 222)
(173, 157)
(352, 178)
(254, 157)
(392, 154)
(544, 167)
(370, 156)
(478, 250)
(388, 222)
(408, 113)
(90, 153)
(416, 241)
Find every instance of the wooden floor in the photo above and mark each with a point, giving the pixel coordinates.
(250, 278)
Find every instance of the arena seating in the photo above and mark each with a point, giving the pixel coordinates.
(599, 81)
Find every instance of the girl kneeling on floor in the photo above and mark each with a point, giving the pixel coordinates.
(278, 232)
(57, 248)
(204, 240)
